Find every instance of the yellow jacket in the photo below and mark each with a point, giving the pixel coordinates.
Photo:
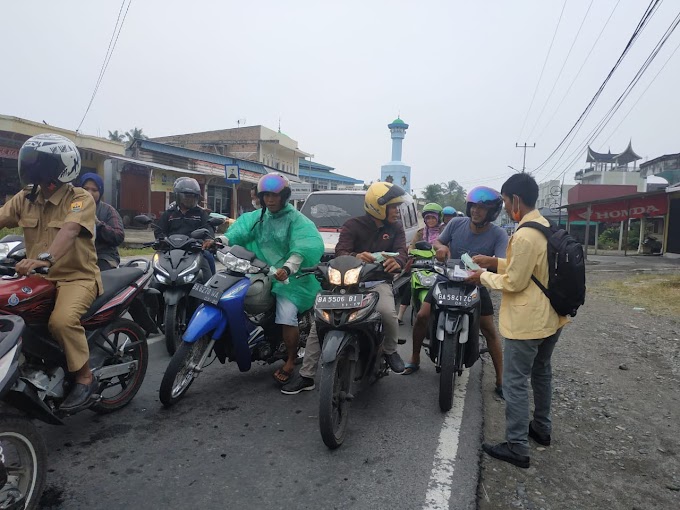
(525, 312)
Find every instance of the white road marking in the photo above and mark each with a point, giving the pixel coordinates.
(441, 479)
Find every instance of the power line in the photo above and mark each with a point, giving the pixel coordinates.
(578, 73)
(107, 57)
(540, 77)
(559, 75)
(649, 12)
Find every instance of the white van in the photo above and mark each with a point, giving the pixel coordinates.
(330, 209)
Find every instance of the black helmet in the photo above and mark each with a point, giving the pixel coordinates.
(48, 159)
(187, 192)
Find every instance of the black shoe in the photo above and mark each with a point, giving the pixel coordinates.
(502, 451)
(79, 396)
(395, 362)
(542, 439)
(298, 384)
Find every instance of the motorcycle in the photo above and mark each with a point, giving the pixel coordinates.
(10, 246)
(453, 331)
(235, 320)
(34, 375)
(351, 338)
(423, 276)
(177, 266)
(651, 245)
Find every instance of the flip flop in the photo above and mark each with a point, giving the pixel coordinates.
(410, 368)
(281, 376)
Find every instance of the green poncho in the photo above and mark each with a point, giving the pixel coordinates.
(276, 238)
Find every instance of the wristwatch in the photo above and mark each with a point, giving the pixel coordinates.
(46, 257)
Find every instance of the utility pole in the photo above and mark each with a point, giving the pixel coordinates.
(525, 147)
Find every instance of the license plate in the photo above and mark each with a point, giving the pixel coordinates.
(453, 296)
(203, 293)
(338, 301)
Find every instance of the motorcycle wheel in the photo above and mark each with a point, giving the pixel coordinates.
(175, 324)
(23, 453)
(447, 377)
(119, 391)
(334, 386)
(181, 371)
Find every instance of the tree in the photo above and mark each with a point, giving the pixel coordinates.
(115, 136)
(453, 195)
(433, 193)
(135, 133)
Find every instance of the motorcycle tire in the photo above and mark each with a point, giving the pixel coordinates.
(119, 333)
(175, 323)
(449, 362)
(334, 385)
(24, 456)
(180, 374)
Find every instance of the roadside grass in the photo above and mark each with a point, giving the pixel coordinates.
(14, 231)
(658, 294)
(135, 252)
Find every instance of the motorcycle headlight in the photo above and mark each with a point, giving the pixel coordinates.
(157, 266)
(334, 276)
(361, 313)
(162, 279)
(188, 278)
(192, 267)
(352, 276)
(324, 315)
(233, 263)
(5, 248)
(428, 281)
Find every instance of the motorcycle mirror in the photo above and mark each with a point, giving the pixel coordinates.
(215, 222)
(19, 254)
(423, 245)
(201, 233)
(143, 219)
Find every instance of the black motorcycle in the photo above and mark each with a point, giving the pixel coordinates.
(453, 331)
(177, 265)
(351, 338)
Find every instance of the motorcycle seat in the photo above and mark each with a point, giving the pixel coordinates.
(114, 281)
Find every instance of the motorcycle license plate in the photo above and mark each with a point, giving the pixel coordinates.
(338, 301)
(203, 293)
(453, 296)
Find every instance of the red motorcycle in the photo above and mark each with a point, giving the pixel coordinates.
(34, 378)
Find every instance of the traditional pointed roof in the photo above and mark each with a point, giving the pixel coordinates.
(627, 156)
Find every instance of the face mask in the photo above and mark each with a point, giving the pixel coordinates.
(516, 215)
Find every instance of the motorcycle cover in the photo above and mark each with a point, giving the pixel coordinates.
(276, 238)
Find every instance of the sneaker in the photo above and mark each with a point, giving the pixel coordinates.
(502, 451)
(298, 384)
(395, 362)
(542, 439)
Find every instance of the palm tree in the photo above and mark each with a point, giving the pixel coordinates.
(115, 136)
(433, 193)
(135, 133)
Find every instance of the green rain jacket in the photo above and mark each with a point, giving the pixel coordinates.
(274, 240)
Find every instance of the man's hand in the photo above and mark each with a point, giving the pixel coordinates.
(443, 253)
(281, 275)
(475, 277)
(208, 243)
(486, 262)
(365, 257)
(390, 265)
(25, 266)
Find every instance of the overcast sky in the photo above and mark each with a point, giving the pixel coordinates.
(461, 73)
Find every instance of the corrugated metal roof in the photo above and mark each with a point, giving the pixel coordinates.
(149, 164)
(329, 176)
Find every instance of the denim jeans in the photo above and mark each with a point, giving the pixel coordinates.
(523, 359)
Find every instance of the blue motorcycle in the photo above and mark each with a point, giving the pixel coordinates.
(234, 321)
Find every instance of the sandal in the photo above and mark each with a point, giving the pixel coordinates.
(410, 368)
(282, 376)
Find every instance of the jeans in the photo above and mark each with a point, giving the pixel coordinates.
(523, 359)
(385, 307)
(210, 258)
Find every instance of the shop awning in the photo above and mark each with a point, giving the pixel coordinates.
(617, 209)
(148, 164)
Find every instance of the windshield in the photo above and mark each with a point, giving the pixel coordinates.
(331, 211)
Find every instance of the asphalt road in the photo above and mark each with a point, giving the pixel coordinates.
(236, 442)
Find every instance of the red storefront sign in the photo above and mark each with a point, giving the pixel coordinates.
(619, 210)
(9, 153)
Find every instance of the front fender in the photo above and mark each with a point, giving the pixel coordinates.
(206, 318)
(172, 295)
(333, 343)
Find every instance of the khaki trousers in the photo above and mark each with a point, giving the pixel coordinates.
(385, 308)
(73, 300)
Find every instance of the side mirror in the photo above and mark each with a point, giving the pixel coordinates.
(200, 233)
(143, 219)
(423, 245)
(215, 221)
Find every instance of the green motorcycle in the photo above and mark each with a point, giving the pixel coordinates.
(423, 276)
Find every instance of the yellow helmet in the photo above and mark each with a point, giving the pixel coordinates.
(381, 194)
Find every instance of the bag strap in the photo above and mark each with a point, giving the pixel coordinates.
(547, 232)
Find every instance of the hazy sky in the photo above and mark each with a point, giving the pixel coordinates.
(461, 73)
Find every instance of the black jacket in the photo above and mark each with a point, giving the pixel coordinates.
(174, 221)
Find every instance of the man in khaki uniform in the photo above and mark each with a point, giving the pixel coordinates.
(59, 231)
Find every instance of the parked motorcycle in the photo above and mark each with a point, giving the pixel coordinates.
(351, 338)
(235, 321)
(34, 377)
(454, 327)
(651, 245)
(177, 266)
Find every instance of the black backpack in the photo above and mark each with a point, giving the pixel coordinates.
(566, 269)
